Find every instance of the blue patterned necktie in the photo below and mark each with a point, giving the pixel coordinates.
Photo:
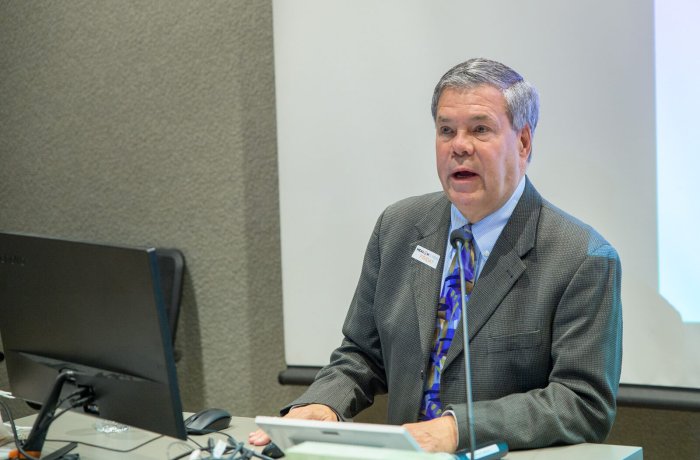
(448, 316)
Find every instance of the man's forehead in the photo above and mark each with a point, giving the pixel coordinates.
(480, 106)
(473, 104)
(485, 90)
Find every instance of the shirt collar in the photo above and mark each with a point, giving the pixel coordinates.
(488, 229)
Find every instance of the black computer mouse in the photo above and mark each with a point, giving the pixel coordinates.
(207, 421)
(271, 450)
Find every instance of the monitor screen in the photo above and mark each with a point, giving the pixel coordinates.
(98, 311)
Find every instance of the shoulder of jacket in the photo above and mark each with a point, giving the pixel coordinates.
(576, 229)
(418, 205)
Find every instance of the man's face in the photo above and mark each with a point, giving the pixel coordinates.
(480, 157)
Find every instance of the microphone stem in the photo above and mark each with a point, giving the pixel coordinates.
(467, 364)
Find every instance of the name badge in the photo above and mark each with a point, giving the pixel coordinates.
(426, 256)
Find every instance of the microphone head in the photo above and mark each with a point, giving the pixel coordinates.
(460, 235)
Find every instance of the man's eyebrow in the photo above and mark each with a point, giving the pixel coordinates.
(479, 117)
(482, 117)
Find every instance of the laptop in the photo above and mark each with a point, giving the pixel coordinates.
(287, 432)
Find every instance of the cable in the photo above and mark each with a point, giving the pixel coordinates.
(74, 404)
(77, 392)
(191, 439)
(234, 451)
(179, 443)
(110, 449)
(18, 443)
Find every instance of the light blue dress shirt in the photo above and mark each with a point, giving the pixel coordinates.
(485, 232)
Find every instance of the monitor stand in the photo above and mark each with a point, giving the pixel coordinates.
(35, 441)
(60, 454)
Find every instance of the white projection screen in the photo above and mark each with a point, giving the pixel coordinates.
(354, 79)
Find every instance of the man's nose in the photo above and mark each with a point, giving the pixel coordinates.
(462, 144)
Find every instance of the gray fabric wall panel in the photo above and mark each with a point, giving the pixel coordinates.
(153, 123)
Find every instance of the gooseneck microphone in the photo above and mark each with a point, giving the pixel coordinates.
(458, 238)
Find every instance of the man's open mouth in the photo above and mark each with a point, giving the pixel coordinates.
(463, 174)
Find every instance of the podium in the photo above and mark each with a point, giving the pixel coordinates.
(144, 445)
(319, 451)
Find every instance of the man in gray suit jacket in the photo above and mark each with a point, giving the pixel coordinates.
(544, 316)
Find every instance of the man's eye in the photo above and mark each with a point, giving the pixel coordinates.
(445, 130)
(481, 129)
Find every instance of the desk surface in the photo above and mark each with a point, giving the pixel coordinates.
(80, 428)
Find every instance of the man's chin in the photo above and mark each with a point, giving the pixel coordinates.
(468, 204)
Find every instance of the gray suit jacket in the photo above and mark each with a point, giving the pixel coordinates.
(545, 328)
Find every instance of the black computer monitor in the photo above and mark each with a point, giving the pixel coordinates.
(95, 312)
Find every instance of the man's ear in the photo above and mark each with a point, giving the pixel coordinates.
(525, 140)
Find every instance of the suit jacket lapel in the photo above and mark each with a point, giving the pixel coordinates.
(427, 281)
(503, 268)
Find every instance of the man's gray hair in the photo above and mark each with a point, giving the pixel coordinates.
(522, 100)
